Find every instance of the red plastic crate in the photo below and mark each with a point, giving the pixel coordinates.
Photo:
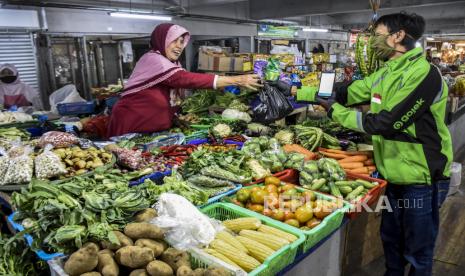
(371, 198)
(290, 176)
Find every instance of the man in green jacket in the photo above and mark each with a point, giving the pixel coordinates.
(411, 142)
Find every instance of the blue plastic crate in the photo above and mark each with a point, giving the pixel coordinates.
(198, 141)
(35, 131)
(156, 177)
(217, 198)
(65, 109)
(40, 253)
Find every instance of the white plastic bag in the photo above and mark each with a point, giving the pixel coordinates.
(66, 94)
(20, 168)
(186, 226)
(48, 164)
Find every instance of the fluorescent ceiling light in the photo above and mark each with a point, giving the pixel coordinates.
(140, 16)
(315, 30)
(430, 39)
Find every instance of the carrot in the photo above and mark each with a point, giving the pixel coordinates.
(299, 149)
(371, 168)
(334, 151)
(355, 158)
(367, 153)
(362, 170)
(369, 162)
(351, 165)
(334, 155)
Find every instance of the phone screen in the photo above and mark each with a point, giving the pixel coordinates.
(326, 84)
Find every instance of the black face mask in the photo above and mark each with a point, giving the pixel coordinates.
(8, 79)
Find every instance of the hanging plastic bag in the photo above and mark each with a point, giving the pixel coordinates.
(66, 94)
(58, 139)
(272, 70)
(48, 164)
(20, 169)
(186, 226)
(274, 105)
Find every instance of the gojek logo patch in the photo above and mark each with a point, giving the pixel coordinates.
(409, 114)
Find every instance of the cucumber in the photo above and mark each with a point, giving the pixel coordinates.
(344, 183)
(318, 183)
(357, 191)
(356, 184)
(305, 178)
(345, 190)
(366, 184)
(334, 190)
(325, 189)
(311, 167)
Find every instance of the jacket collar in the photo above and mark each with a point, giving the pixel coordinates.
(405, 59)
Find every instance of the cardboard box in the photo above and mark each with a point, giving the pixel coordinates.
(235, 63)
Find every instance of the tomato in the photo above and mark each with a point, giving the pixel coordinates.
(322, 209)
(303, 214)
(256, 188)
(237, 202)
(271, 188)
(267, 212)
(243, 195)
(291, 192)
(271, 202)
(271, 180)
(256, 208)
(277, 214)
(289, 215)
(287, 186)
(309, 196)
(293, 222)
(314, 222)
(258, 196)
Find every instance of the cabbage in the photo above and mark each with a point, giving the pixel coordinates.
(233, 114)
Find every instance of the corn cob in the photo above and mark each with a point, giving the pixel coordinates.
(243, 260)
(277, 233)
(230, 239)
(220, 256)
(257, 250)
(239, 224)
(271, 241)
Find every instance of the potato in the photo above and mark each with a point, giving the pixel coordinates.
(139, 272)
(216, 271)
(158, 268)
(199, 272)
(156, 247)
(93, 273)
(165, 244)
(82, 261)
(143, 230)
(184, 271)
(134, 256)
(175, 258)
(123, 241)
(145, 215)
(106, 264)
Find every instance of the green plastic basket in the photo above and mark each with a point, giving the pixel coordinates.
(281, 258)
(326, 227)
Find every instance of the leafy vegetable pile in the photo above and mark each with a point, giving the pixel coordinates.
(63, 216)
(199, 102)
(16, 258)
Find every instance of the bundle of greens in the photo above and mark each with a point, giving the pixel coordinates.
(17, 258)
(199, 102)
(63, 216)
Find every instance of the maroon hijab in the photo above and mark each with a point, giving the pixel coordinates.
(158, 37)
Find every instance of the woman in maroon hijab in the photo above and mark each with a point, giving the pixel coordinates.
(149, 98)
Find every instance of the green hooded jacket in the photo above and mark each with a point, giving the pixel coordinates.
(407, 97)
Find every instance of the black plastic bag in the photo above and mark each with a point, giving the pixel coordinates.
(273, 105)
